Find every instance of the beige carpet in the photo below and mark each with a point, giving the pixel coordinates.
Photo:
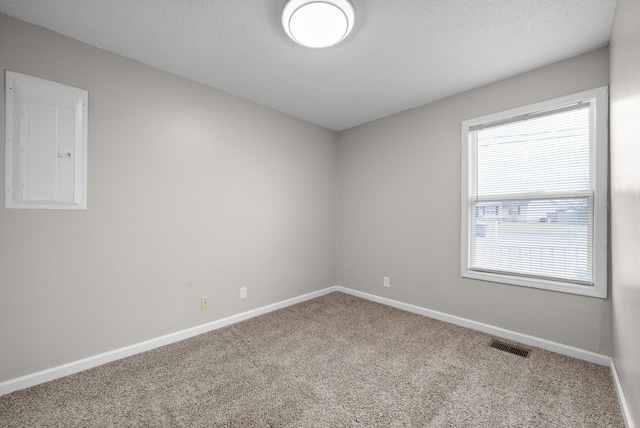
(335, 361)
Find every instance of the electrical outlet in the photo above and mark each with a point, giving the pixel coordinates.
(387, 282)
(243, 293)
(204, 303)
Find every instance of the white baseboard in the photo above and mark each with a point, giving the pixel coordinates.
(559, 348)
(47, 375)
(53, 373)
(626, 413)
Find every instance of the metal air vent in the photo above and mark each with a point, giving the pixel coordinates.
(496, 344)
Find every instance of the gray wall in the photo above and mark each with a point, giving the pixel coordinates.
(191, 192)
(399, 212)
(625, 198)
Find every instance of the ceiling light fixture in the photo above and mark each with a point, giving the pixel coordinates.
(317, 24)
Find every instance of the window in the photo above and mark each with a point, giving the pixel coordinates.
(534, 195)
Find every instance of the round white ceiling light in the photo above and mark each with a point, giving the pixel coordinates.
(317, 24)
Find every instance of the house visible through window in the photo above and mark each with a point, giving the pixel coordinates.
(534, 196)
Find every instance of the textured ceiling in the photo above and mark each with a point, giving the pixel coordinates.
(401, 53)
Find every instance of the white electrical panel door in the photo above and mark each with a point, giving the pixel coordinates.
(46, 144)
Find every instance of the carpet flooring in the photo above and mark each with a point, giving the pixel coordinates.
(334, 361)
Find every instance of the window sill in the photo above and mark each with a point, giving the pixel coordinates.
(559, 286)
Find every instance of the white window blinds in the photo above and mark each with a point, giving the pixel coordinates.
(531, 195)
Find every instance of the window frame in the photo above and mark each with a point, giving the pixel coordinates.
(599, 153)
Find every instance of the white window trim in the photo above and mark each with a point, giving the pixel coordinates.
(599, 158)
